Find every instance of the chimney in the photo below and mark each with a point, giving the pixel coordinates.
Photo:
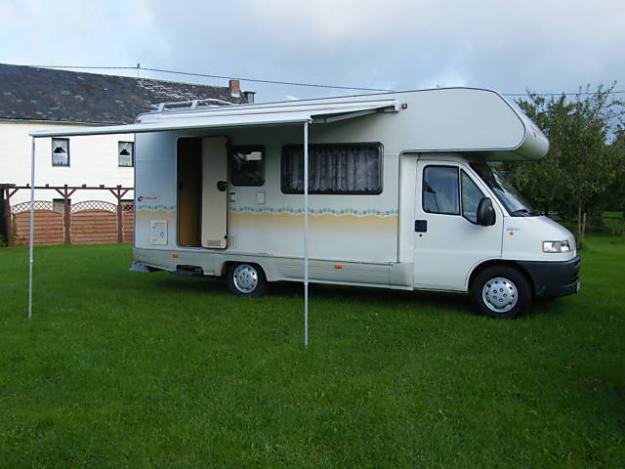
(248, 96)
(235, 88)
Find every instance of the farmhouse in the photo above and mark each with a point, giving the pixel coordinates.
(34, 98)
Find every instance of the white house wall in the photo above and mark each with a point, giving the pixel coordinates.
(93, 161)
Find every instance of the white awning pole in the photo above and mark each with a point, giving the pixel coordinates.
(306, 234)
(31, 234)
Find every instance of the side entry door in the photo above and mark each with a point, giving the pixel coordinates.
(448, 242)
(215, 192)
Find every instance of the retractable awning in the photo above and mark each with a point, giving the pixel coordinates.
(304, 113)
(239, 116)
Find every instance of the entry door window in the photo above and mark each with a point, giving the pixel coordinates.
(247, 166)
(440, 190)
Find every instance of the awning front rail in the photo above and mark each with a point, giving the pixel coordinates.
(243, 116)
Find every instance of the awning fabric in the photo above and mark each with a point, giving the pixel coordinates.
(235, 116)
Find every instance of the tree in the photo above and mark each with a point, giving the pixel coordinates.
(542, 182)
(615, 195)
(582, 163)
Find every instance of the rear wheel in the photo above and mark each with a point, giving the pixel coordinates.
(246, 279)
(501, 292)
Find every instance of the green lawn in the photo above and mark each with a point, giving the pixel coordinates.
(117, 369)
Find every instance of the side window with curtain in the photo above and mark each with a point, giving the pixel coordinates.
(440, 190)
(351, 168)
(471, 196)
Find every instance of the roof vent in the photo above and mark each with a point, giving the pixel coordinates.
(248, 96)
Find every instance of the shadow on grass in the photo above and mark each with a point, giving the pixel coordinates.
(335, 293)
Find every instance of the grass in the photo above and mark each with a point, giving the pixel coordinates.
(151, 370)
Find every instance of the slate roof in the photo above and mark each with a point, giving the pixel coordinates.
(43, 94)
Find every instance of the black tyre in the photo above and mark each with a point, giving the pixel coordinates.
(246, 279)
(501, 292)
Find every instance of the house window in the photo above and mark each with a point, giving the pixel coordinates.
(350, 168)
(247, 166)
(60, 152)
(125, 154)
(440, 190)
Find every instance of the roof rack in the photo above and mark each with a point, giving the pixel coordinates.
(190, 104)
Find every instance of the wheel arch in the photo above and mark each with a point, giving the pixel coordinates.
(222, 270)
(499, 262)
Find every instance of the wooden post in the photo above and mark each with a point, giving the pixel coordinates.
(118, 192)
(67, 217)
(120, 227)
(66, 193)
(7, 212)
(9, 191)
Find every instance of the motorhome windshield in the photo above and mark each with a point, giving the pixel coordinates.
(505, 192)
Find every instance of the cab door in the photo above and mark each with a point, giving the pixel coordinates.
(448, 242)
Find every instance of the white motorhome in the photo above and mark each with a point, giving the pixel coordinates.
(401, 194)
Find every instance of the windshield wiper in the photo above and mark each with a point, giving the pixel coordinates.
(522, 212)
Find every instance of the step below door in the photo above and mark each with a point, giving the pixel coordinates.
(215, 192)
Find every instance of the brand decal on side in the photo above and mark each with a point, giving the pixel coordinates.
(147, 198)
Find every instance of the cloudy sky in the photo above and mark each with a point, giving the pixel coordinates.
(546, 46)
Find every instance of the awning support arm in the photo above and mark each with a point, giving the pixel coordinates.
(31, 234)
(306, 234)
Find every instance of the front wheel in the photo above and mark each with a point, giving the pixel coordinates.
(501, 292)
(246, 279)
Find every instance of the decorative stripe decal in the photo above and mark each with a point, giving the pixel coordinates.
(316, 212)
(336, 212)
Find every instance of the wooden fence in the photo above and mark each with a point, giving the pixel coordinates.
(86, 222)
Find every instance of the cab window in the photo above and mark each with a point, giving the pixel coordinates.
(440, 190)
(471, 196)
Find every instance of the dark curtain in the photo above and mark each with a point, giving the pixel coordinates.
(334, 169)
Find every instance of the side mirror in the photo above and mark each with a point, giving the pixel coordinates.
(486, 212)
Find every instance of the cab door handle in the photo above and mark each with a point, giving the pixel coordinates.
(420, 226)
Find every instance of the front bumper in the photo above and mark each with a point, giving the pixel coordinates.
(553, 279)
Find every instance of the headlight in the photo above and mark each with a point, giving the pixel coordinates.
(556, 246)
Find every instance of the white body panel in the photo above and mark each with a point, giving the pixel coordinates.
(523, 238)
(93, 161)
(274, 225)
